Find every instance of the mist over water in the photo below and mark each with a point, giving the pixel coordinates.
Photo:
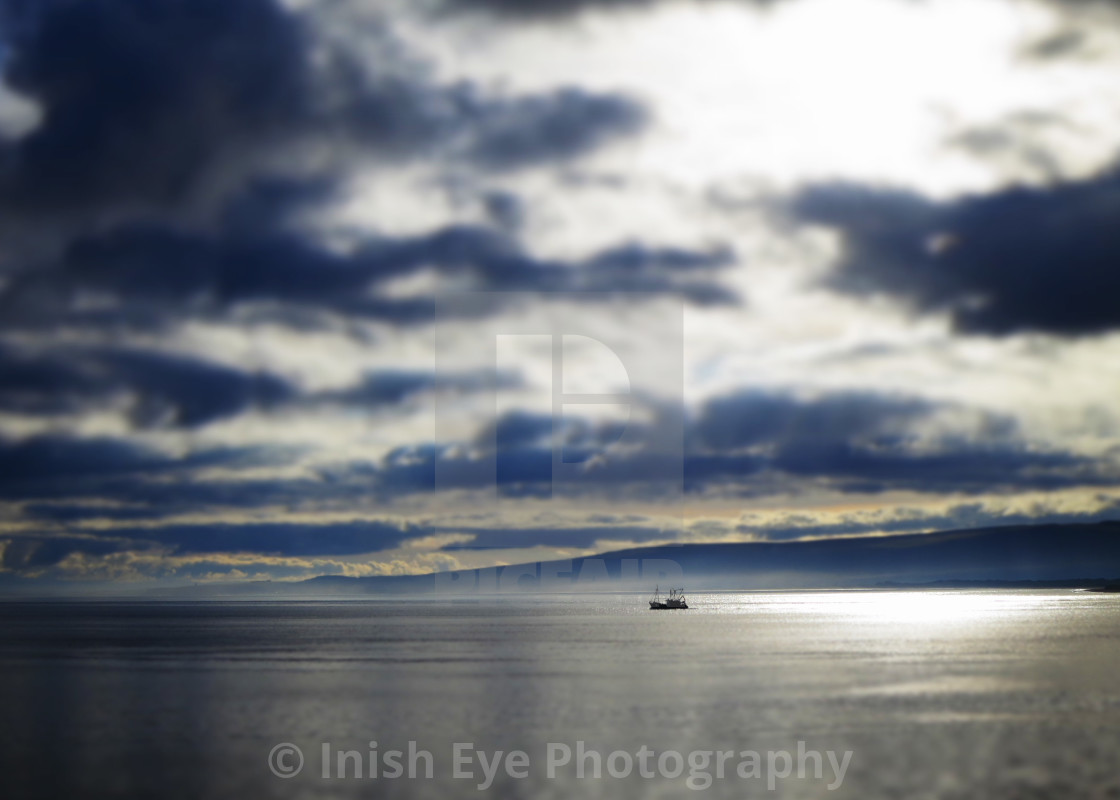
(937, 694)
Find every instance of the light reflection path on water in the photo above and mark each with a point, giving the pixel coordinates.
(938, 693)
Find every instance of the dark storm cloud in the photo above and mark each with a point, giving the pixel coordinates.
(953, 467)
(743, 444)
(190, 393)
(291, 540)
(32, 551)
(908, 520)
(1021, 259)
(69, 479)
(582, 537)
(22, 552)
(275, 538)
(867, 443)
(516, 429)
(66, 479)
(151, 275)
(156, 186)
(750, 418)
(505, 210)
(49, 457)
(388, 387)
(165, 389)
(57, 466)
(538, 8)
(136, 495)
(750, 444)
(758, 443)
(528, 10)
(146, 102)
(550, 128)
(73, 512)
(140, 98)
(553, 9)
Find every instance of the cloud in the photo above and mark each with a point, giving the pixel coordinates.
(755, 443)
(160, 104)
(61, 466)
(153, 275)
(1088, 7)
(747, 443)
(505, 210)
(1020, 259)
(271, 539)
(955, 467)
(181, 152)
(1061, 44)
(22, 553)
(869, 443)
(566, 537)
(284, 186)
(527, 10)
(140, 100)
(539, 8)
(958, 516)
(554, 127)
(389, 387)
(109, 493)
(156, 389)
(275, 538)
(747, 418)
(73, 512)
(1022, 141)
(162, 389)
(213, 543)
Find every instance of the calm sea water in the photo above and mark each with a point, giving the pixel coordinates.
(936, 694)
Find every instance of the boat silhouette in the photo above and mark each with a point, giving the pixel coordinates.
(675, 600)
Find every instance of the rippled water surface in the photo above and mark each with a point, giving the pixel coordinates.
(936, 694)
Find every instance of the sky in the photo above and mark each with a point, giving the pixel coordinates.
(297, 288)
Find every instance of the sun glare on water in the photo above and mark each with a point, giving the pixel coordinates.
(936, 608)
(940, 608)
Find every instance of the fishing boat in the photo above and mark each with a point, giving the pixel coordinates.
(674, 600)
